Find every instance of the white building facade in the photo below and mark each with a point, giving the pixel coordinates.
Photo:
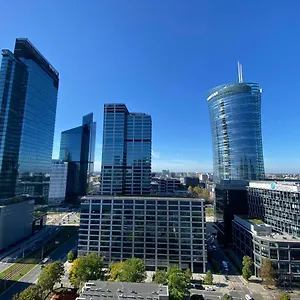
(58, 181)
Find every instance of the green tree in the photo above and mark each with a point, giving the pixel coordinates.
(115, 270)
(86, 268)
(197, 190)
(208, 279)
(160, 277)
(51, 275)
(133, 270)
(33, 292)
(247, 267)
(190, 189)
(226, 297)
(205, 194)
(179, 282)
(71, 256)
(285, 296)
(266, 272)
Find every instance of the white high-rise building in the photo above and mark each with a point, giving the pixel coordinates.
(58, 181)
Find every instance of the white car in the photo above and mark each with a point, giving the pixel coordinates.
(209, 288)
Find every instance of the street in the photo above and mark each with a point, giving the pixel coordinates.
(32, 276)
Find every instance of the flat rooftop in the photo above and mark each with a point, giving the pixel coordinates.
(123, 290)
(173, 197)
(284, 186)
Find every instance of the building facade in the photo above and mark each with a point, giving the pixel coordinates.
(58, 181)
(256, 239)
(160, 231)
(126, 152)
(277, 204)
(77, 147)
(191, 181)
(16, 219)
(28, 97)
(235, 117)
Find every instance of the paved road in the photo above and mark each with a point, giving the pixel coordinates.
(32, 276)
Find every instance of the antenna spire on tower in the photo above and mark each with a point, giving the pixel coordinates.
(240, 72)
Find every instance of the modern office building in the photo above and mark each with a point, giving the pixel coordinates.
(77, 147)
(160, 231)
(28, 98)
(256, 239)
(235, 117)
(58, 181)
(277, 204)
(191, 181)
(126, 152)
(97, 289)
(16, 220)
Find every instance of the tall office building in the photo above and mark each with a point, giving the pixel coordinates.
(77, 147)
(28, 98)
(235, 116)
(126, 153)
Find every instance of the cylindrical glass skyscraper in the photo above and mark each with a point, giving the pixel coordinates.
(235, 116)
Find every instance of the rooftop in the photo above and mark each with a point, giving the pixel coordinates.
(173, 197)
(116, 290)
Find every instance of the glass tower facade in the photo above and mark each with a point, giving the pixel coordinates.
(235, 116)
(28, 100)
(126, 154)
(77, 147)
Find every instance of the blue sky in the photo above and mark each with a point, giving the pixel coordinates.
(160, 57)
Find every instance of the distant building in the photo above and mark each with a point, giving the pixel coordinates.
(77, 147)
(165, 173)
(58, 181)
(126, 152)
(235, 115)
(203, 177)
(256, 239)
(277, 204)
(28, 98)
(167, 185)
(191, 181)
(115, 290)
(160, 231)
(16, 220)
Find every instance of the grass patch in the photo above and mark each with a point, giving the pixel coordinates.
(257, 221)
(23, 272)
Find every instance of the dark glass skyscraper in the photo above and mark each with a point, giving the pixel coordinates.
(126, 154)
(235, 115)
(77, 147)
(28, 100)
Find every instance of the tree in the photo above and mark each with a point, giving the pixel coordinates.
(33, 292)
(197, 190)
(115, 270)
(190, 189)
(51, 275)
(266, 272)
(208, 279)
(179, 282)
(285, 296)
(133, 270)
(71, 256)
(160, 277)
(226, 297)
(86, 268)
(247, 267)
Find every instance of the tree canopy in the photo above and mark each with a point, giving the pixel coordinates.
(178, 282)
(247, 267)
(160, 277)
(226, 297)
(115, 270)
(86, 268)
(208, 279)
(33, 292)
(133, 270)
(50, 275)
(71, 256)
(266, 272)
(285, 296)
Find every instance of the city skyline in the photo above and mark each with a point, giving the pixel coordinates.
(163, 62)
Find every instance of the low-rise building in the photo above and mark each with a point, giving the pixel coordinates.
(16, 218)
(160, 231)
(256, 239)
(191, 181)
(119, 290)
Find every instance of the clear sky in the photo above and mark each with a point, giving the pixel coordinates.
(161, 57)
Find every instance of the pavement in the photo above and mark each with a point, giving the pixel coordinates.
(32, 276)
